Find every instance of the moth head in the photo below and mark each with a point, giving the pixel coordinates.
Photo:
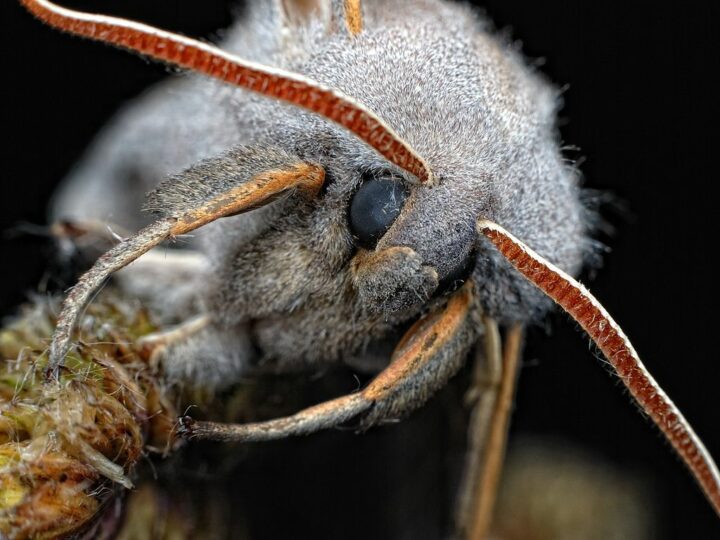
(431, 123)
(484, 125)
(369, 220)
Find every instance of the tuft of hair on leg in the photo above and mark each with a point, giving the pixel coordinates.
(582, 306)
(260, 190)
(195, 55)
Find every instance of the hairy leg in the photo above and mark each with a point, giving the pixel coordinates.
(251, 193)
(155, 345)
(481, 397)
(582, 306)
(427, 356)
(169, 281)
(495, 382)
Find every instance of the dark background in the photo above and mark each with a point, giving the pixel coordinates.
(640, 107)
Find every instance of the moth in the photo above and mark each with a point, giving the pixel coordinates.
(390, 194)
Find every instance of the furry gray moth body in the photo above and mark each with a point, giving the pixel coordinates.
(424, 98)
(282, 277)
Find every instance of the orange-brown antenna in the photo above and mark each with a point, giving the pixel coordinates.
(192, 54)
(353, 16)
(610, 339)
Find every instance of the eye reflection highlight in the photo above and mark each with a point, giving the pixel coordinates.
(374, 208)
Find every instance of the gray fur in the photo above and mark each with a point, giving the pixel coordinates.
(179, 274)
(212, 359)
(212, 177)
(289, 275)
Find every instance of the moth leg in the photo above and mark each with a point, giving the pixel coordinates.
(481, 396)
(165, 279)
(431, 352)
(156, 344)
(158, 263)
(87, 234)
(494, 380)
(168, 281)
(200, 354)
(347, 16)
(79, 242)
(257, 191)
(582, 306)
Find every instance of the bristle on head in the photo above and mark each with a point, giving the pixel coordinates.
(616, 347)
(194, 55)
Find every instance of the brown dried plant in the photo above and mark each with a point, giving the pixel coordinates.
(69, 448)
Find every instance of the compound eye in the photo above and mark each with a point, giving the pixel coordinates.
(374, 208)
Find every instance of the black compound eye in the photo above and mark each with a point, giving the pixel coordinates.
(374, 208)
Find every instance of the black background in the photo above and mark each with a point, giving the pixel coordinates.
(640, 105)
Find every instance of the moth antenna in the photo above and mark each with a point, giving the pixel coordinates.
(301, 12)
(350, 12)
(258, 191)
(187, 53)
(610, 339)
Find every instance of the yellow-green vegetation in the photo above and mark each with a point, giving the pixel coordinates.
(68, 448)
